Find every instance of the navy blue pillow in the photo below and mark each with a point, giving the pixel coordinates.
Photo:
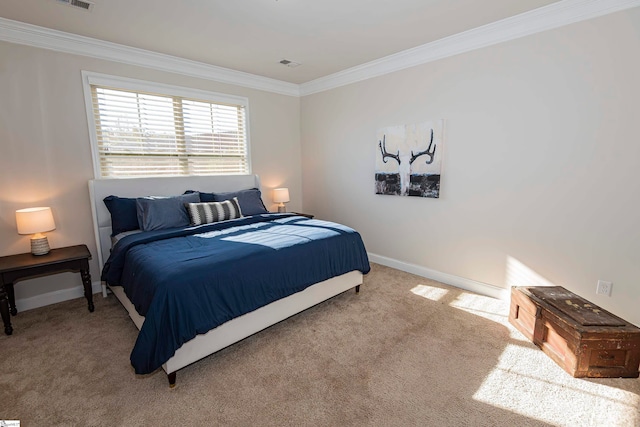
(124, 216)
(164, 212)
(250, 200)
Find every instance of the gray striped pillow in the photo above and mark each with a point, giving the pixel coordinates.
(206, 213)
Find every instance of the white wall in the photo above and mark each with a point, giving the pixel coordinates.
(540, 173)
(45, 154)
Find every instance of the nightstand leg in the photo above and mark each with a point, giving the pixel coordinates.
(4, 311)
(86, 282)
(12, 298)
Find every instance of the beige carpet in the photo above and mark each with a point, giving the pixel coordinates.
(406, 351)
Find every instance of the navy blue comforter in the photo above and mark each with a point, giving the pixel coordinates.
(190, 280)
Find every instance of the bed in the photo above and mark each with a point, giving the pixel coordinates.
(197, 289)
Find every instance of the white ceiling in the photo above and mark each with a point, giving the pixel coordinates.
(326, 36)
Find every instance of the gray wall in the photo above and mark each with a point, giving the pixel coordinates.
(45, 154)
(540, 174)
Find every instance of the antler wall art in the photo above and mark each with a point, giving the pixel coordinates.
(408, 159)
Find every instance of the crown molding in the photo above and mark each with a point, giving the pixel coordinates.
(548, 17)
(33, 35)
(555, 15)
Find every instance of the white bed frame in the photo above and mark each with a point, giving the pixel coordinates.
(236, 329)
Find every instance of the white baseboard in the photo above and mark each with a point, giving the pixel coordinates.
(54, 297)
(37, 301)
(448, 279)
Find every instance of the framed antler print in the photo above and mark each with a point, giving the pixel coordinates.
(409, 159)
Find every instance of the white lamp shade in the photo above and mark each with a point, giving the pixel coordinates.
(34, 220)
(281, 195)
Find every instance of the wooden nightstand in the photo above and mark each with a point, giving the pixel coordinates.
(303, 214)
(21, 266)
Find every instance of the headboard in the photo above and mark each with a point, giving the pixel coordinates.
(140, 187)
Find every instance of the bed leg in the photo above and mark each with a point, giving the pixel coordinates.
(357, 289)
(172, 379)
(104, 290)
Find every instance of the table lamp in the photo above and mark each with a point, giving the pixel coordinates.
(36, 221)
(281, 196)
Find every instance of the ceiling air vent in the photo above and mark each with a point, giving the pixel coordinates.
(77, 3)
(290, 64)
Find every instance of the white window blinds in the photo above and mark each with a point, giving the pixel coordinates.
(138, 133)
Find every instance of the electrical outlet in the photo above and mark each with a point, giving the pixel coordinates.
(604, 288)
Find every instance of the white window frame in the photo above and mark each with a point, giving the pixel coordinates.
(91, 78)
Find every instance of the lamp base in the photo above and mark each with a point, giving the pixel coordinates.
(282, 209)
(39, 246)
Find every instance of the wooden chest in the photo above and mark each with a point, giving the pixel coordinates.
(585, 340)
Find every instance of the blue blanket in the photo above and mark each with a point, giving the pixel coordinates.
(190, 280)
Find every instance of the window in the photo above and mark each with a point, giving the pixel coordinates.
(146, 129)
